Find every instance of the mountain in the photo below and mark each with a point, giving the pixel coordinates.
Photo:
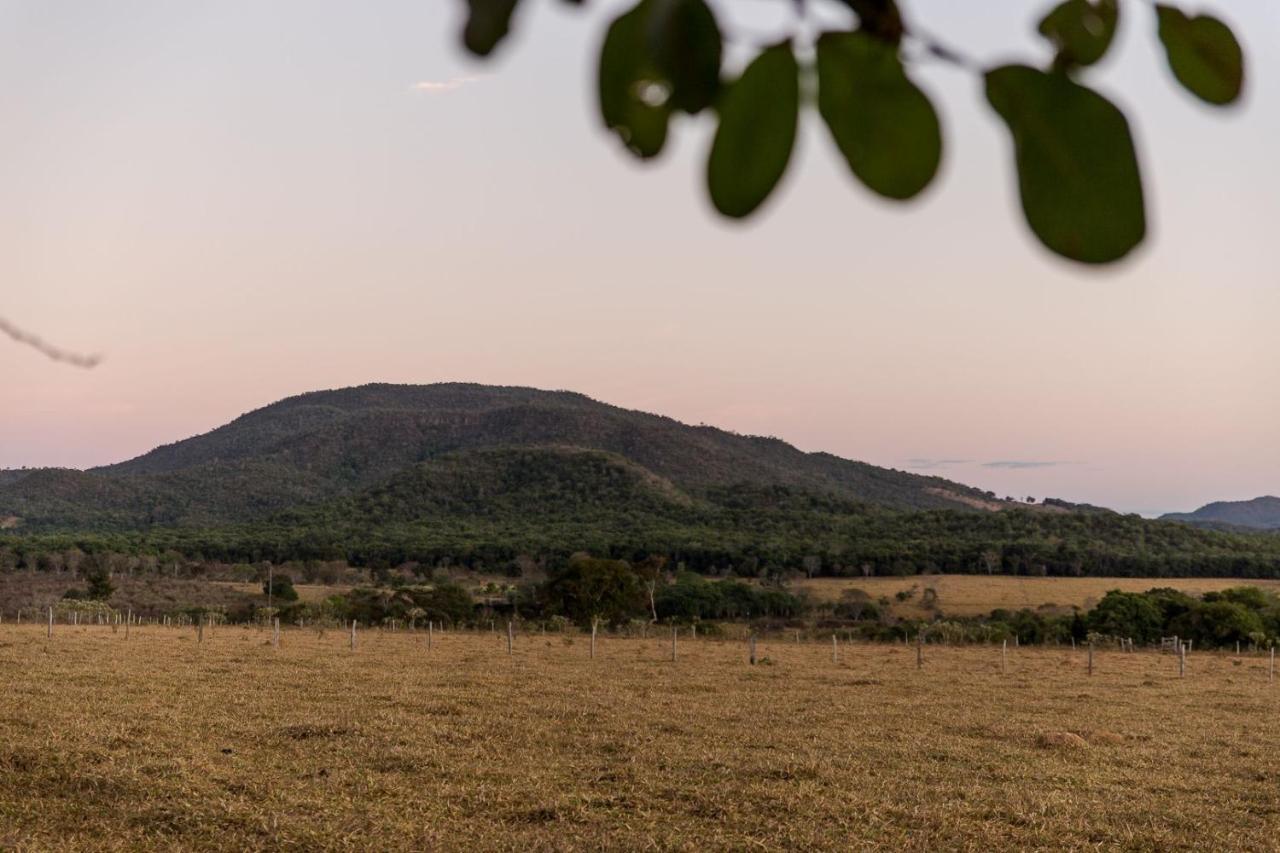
(328, 445)
(1260, 513)
(482, 476)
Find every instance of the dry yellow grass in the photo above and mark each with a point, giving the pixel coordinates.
(310, 593)
(157, 742)
(978, 595)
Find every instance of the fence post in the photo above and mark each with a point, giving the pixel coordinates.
(431, 629)
(594, 623)
(674, 629)
(751, 643)
(353, 635)
(1271, 675)
(1182, 660)
(49, 633)
(275, 634)
(200, 631)
(920, 649)
(835, 649)
(510, 636)
(1091, 657)
(1004, 655)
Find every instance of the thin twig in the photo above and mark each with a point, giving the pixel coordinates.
(49, 350)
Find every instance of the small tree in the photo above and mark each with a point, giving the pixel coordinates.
(280, 587)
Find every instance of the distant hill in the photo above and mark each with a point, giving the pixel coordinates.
(1259, 514)
(482, 476)
(332, 444)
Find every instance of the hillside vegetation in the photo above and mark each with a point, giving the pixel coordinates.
(490, 478)
(1261, 513)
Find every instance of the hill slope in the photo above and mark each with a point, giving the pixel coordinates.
(1260, 513)
(329, 444)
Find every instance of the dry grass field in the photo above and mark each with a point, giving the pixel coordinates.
(160, 742)
(978, 595)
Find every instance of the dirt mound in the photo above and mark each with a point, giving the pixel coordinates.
(1061, 740)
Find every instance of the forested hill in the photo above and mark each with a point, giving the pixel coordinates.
(1260, 513)
(484, 476)
(329, 444)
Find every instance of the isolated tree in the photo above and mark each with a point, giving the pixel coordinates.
(280, 587)
(1078, 174)
(588, 590)
(651, 572)
(98, 585)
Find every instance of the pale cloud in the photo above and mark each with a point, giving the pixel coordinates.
(434, 87)
(1023, 464)
(927, 463)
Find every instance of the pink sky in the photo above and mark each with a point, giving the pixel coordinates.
(240, 201)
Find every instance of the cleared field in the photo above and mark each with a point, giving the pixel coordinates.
(978, 595)
(310, 593)
(160, 742)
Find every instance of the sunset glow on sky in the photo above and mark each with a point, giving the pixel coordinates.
(235, 202)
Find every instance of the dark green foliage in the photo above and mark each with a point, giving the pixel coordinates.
(280, 588)
(758, 117)
(440, 603)
(693, 598)
(1203, 54)
(98, 585)
(1077, 168)
(885, 127)
(634, 102)
(590, 589)
(1081, 202)
(1219, 619)
(1127, 614)
(1081, 30)
(487, 24)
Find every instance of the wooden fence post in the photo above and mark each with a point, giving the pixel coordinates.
(431, 629)
(200, 631)
(1271, 675)
(920, 650)
(275, 634)
(49, 633)
(594, 623)
(751, 644)
(1182, 660)
(353, 635)
(1091, 657)
(1004, 655)
(510, 636)
(674, 629)
(835, 649)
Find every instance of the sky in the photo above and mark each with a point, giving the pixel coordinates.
(239, 201)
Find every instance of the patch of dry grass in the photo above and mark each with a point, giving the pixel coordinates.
(160, 742)
(978, 595)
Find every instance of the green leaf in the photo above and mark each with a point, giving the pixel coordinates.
(634, 95)
(1082, 31)
(685, 43)
(758, 117)
(487, 24)
(1204, 55)
(880, 18)
(1077, 169)
(883, 124)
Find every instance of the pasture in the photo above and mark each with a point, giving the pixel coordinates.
(978, 595)
(160, 741)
